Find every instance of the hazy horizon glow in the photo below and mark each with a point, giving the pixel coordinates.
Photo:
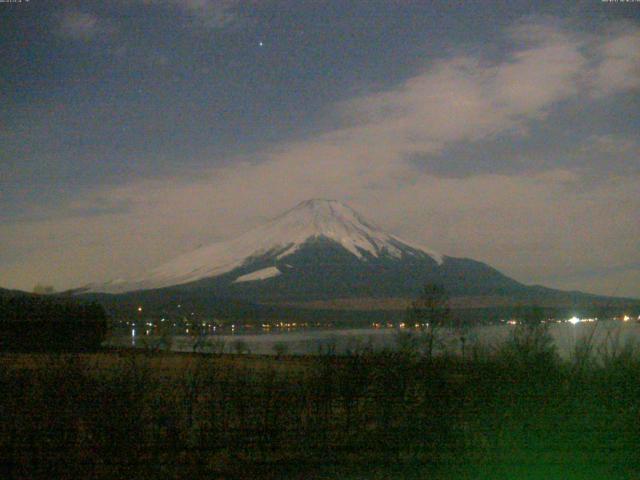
(131, 132)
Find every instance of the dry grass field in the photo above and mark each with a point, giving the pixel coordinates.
(519, 412)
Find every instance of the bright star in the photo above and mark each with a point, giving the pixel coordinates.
(260, 44)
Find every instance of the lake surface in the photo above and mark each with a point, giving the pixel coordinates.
(606, 335)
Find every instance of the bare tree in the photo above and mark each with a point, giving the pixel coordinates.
(530, 341)
(431, 311)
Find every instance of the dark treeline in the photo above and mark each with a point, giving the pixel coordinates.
(515, 412)
(174, 305)
(50, 323)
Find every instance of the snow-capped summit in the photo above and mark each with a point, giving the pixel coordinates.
(335, 221)
(316, 219)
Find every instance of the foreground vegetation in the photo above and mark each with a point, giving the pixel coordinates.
(39, 323)
(514, 412)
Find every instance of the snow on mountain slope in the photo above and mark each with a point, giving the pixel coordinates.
(259, 275)
(278, 238)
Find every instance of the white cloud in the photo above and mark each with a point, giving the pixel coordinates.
(619, 66)
(212, 14)
(81, 25)
(463, 98)
(85, 25)
(537, 77)
(612, 144)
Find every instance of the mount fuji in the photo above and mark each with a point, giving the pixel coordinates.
(274, 247)
(323, 254)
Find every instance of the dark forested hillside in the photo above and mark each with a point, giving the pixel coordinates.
(30, 322)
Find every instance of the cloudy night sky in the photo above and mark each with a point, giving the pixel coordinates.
(135, 130)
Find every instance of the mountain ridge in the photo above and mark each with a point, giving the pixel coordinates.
(322, 254)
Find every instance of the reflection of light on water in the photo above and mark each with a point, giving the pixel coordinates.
(565, 332)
